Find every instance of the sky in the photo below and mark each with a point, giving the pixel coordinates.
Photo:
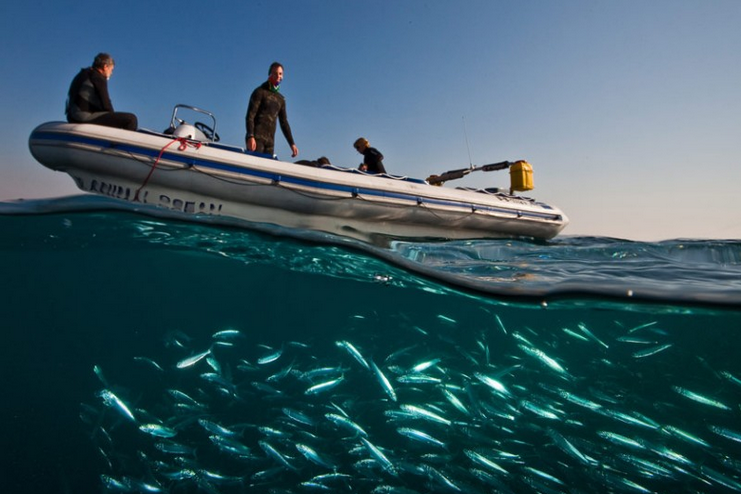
(629, 111)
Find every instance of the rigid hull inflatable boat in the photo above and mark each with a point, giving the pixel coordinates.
(186, 169)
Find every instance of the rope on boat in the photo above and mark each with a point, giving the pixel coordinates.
(184, 143)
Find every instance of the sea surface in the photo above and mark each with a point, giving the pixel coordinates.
(145, 353)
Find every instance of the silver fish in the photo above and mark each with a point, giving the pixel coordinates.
(652, 351)
(492, 383)
(485, 461)
(157, 430)
(727, 433)
(545, 359)
(227, 334)
(500, 323)
(193, 359)
(691, 438)
(311, 455)
(325, 386)
(111, 400)
(591, 335)
(378, 455)
(173, 448)
(615, 438)
(446, 319)
(642, 326)
(700, 398)
(215, 428)
(570, 449)
(270, 357)
(345, 422)
(298, 416)
(422, 413)
(230, 445)
(423, 366)
(150, 362)
(354, 352)
(418, 435)
(455, 401)
(276, 455)
(385, 383)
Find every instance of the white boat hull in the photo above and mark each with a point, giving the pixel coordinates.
(211, 179)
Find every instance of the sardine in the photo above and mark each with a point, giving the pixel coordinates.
(591, 335)
(193, 359)
(652, 351)
(418, 435)
(620, 439)
(485, 461)
(354, 352)
(230, 445)
(227, 334)
(385, 383)
(113, 401)
(346, 423)
(543, 358)
(686, 436)
(157, 430)
(422, 413)
(700, 398)
(378, 455)
(215, 428)
(150, 362)
(492, 383)
(423, 366)
(727, 433)
(325, 386)
(276, 455)
(270, 357)
(311, 455)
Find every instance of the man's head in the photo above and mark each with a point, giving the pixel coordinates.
(104, 64)
(275, 74)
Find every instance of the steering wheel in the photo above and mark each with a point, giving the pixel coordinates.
(208, 131)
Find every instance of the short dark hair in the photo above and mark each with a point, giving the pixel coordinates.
(273, 66)
(101, 60)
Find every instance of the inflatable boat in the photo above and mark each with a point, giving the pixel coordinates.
(186, 169)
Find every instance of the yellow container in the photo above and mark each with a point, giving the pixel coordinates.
(521, 176)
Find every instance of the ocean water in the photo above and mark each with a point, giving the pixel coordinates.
(144, 353)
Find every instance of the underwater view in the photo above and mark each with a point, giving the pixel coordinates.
(144, 354)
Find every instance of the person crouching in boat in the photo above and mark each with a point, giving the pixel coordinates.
(372, 157)
(88, 100)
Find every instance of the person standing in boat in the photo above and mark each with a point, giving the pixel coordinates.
(88, 100)
(266, 106)
(372, 157)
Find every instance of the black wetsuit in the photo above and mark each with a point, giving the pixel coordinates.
(373, 159)
(88, 102)
(265, 109)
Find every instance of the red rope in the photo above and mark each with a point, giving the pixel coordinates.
(183, 146)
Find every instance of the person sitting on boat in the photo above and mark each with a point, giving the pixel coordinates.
(267, 105)
(372, 157)
(88, 100)
(315, 163)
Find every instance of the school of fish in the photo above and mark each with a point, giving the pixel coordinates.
(441, 408)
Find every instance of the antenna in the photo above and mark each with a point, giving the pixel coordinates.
(465, 133)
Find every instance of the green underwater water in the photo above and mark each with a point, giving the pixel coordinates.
(114, 290)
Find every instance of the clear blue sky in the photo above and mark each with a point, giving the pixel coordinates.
(629, 111)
